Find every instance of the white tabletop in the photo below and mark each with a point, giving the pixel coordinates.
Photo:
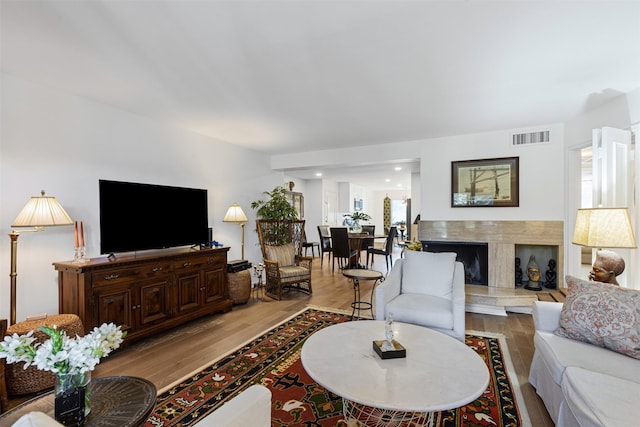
(438, 373)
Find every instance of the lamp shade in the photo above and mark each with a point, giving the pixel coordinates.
(235, 214)
(42, 211)
(604, 228)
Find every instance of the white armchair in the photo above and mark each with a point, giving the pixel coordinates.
(425, 289)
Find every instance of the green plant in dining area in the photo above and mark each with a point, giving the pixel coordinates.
(353, 219)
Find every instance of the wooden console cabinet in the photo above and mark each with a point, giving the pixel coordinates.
(145, 294)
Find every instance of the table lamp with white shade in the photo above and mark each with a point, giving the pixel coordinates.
(39, 212)
(604, 228)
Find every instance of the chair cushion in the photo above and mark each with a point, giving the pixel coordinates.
(595, 399)
(294, 271)
(428, 273)
(284, 254)
(558, 353)
(420, 309)
(602, 314)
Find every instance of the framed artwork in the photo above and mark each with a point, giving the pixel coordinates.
(485, 183)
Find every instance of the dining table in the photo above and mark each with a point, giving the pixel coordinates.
(355, 243)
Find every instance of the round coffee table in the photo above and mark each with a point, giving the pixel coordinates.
(438, 372)
(357, 274)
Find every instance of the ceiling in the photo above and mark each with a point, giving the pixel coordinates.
(294, 76)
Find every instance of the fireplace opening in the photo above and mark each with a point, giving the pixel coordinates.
(473, 255)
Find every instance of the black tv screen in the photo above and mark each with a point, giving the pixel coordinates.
(136, 217)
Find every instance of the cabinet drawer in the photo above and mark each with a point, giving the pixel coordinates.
(123, 275)
(112, 277)
(209, 261)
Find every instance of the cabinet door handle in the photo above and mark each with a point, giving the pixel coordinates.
(111, 277)
(186, 264)
(202, 289)
(209, 260)
(156, 269)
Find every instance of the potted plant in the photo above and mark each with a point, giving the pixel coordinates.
(277, 206)
(354, 220)
(401, 224)
(276, 209)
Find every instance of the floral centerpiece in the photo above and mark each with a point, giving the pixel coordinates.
(353, 219)
(70, 359)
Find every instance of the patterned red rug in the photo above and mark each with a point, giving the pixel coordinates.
(273, 360)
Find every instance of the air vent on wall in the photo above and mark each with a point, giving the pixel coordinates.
(529, 138)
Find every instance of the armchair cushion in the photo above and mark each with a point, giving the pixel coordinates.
(285, 254)
(420, 309)
(428, 273)
(293, 271)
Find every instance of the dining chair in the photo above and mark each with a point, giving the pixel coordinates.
(325, 242)
(306, 245)
(341, 248)
(387, 250)
(368, 242)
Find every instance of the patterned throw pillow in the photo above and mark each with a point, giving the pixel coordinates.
(602, 314)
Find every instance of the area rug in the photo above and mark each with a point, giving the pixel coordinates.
(273, 359)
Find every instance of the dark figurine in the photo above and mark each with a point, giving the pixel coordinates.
(550, 276)
(518, 272)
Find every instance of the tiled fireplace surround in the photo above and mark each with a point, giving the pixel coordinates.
(502, 238)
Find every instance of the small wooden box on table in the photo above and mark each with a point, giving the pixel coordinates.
(145, 294)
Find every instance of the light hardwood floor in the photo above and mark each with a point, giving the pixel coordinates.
(166, 358)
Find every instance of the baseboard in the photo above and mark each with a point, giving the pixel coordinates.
(494, 310)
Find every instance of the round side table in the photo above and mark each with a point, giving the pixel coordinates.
(115, 401)
(356, 275)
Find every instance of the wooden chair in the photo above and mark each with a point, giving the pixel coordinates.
(386, 251)
(367, 243)
(341, 248)
(306, 245)
(285, 267)
(325, 242)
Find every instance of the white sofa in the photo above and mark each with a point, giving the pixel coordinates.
(252, 407)
(582, 384)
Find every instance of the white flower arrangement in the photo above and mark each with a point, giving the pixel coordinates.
(61, 354)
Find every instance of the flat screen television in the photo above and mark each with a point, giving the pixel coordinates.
(135, 217)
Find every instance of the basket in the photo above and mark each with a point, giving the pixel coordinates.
(239, 286)
(31, 380)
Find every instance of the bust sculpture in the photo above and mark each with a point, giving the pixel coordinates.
(533, 273)
(606, 267)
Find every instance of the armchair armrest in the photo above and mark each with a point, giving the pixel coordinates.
(458, 300)
(389, 289)
(546, 315)
(304, 261)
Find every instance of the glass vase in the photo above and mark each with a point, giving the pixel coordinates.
(356, 227)
(72, 398)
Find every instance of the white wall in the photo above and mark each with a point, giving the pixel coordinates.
(63, 144)
(622, 112)
(541, 175)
